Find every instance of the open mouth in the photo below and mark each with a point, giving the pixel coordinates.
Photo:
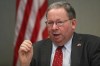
(56, 34)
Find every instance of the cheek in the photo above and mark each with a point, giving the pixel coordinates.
(67, 29)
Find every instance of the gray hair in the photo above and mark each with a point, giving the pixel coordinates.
(63, 4)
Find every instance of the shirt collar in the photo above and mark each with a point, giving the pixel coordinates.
(68, 45)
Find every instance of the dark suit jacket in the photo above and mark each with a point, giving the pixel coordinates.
(85, 51)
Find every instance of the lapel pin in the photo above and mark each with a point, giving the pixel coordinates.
(79, 45)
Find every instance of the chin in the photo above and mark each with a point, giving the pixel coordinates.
(58, 42)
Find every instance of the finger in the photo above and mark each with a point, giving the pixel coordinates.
(27, 44)
(23, 49)
(26, 47)
(28, 41)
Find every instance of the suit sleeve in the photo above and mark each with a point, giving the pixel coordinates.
(35, 59)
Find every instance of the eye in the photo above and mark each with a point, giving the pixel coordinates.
(59, 22)
(50, 22)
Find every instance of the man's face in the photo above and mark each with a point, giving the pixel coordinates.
(62, 32)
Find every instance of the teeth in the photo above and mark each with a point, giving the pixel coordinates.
(55, 33)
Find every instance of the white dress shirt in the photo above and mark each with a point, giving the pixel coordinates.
(66, 53)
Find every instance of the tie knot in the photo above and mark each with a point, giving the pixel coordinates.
(60, 47)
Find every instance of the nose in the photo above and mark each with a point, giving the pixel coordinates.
(54, 27)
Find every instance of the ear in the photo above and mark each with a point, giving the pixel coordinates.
(74, 23)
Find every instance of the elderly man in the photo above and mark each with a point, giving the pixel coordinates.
(64, 47)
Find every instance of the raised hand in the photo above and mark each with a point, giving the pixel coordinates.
(25, 53)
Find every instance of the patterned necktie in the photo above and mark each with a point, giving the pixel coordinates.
(58, 58)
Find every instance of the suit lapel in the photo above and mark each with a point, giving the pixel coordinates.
(46, 53)
(76, 53)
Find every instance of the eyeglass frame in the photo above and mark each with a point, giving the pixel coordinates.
(58, 23)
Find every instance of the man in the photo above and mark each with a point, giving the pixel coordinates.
(77, 49)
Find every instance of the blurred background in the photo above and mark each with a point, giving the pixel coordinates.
(87, 13)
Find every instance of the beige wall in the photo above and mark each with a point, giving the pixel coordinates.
(88, 17)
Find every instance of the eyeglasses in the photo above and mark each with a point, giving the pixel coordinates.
(58, 23)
